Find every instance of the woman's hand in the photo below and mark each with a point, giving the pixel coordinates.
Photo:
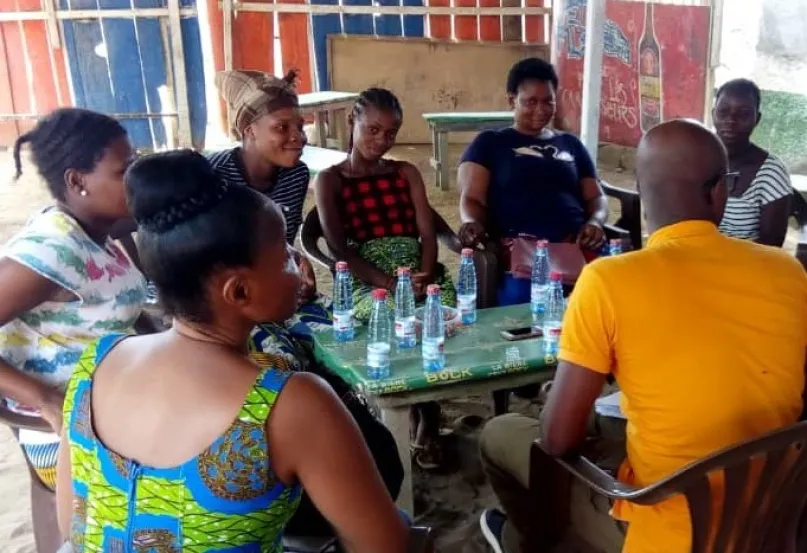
(592, 236)
(52, 410)
(308, 280)
(471, 234)
(420, 282)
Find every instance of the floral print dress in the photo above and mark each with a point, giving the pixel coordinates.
(48, 340)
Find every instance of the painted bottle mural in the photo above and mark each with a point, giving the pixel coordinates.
(650, 102)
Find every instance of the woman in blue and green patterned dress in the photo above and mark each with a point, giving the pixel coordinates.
(181, 441)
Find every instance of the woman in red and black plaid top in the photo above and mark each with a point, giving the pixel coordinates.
(376, 216)
(374, 211)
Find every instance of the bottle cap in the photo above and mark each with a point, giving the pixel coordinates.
(379, 294)
(404, 271)
(341, 265)
(542, 243)
(467, 252)
(433, 289)
(555, 275)
(615, 241)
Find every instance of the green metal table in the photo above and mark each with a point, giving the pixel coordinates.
(478, 361)
(331, 106)
(441, 124)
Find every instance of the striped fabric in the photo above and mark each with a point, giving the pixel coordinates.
(42, 450)
(288, 192)
(743, 213)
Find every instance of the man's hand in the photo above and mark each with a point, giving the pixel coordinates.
(308, 286)
(471, 234)
(592, 236)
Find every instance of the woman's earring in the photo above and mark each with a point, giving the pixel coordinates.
(83, 192)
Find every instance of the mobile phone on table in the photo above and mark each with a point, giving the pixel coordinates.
(523, 333)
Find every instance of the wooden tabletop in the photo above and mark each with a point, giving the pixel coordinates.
(314, 99)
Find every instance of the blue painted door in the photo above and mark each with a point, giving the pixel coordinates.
(118, 65)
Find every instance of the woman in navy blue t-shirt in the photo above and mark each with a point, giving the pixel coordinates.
(529, 179)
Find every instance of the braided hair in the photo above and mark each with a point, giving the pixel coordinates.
(192, 223)
(67, 138)
(379, 98)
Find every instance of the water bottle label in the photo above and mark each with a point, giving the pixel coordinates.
(378, 357)
(433, 349)
(552, 333)
(343, 321)
(467, 308)
(405, 330)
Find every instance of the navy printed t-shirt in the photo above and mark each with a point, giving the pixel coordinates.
(534, 183)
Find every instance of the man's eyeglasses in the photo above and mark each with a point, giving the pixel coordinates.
(730, 178)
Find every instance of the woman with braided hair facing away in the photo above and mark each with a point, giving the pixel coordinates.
(63, 282)
(267, 119)
(375, 215)
(181, 441)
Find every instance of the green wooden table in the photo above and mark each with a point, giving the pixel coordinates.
(478, 361)
(441, 124)
(330, 106)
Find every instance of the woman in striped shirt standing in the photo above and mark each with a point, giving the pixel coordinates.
(760, 190)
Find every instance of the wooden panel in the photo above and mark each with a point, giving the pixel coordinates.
(388, 25)
(430, 76)
(465, 26)
(126, 75)
(439, 25)
(195, 69)
(534, 30)
(511, 24)
(490, 26)
(358, 24)
(253, 40)
(321, 27)
(46, 76)
(413, 25)
(152, 60)
(9, 130)
(294, 33)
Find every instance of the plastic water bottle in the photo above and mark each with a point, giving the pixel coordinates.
(615, 246)
(342, 304)
(434, 334)
(405, 310)
(466, 288)
(379, 332)
(553, 318)
(540, 281)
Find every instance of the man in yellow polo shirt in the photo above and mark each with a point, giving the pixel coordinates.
(705, 335)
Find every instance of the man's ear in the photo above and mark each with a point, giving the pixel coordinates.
(511, 100)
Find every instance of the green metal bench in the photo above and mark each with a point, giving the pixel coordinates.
(441, 124)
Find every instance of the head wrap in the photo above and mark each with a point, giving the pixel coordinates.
(253, 94)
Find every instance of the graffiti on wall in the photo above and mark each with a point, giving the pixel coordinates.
(654, 65)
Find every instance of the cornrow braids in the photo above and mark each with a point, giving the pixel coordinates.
(185, 210)
(67, 138)
(379, 98)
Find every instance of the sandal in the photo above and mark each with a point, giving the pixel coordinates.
(427, 458)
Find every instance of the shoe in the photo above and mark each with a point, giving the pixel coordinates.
(492, 524)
